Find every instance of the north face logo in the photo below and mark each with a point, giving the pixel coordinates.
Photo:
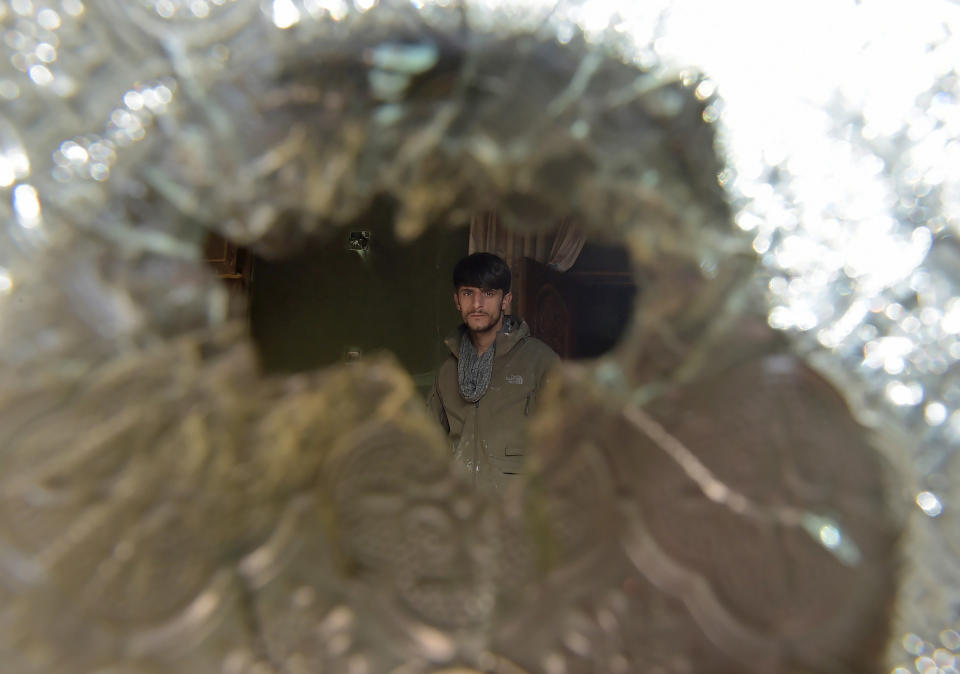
(514, 379)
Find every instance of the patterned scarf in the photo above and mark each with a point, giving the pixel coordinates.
(474, 371)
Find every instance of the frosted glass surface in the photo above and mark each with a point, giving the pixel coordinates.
(760, 478)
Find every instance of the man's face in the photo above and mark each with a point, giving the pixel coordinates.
(482, 310)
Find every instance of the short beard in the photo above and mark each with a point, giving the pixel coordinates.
(494, 320)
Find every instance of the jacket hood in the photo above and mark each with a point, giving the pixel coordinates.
(513, 332)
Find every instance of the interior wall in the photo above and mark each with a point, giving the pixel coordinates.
(307, 310)
(603, 289)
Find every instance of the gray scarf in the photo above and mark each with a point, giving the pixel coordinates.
(474, 371)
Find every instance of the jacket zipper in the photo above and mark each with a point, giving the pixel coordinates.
(476, 439)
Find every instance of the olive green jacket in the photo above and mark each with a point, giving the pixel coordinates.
(489, 436)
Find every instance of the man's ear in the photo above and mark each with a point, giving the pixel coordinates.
(456, 299)
(507, 300)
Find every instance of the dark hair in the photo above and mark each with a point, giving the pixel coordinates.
(482, 270)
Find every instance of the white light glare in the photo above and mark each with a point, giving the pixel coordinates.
(40, 75)
(879, 351)
(285, 14)
(935, 413)
(74, 153)
(6, 283)
(905, 394)
(26, 203)
(200, 9)
(950, 323)
(801, 317)
(830, 536)
(133, 100)
(73, 7)
(929, 503)
(22, 7)
(337, 9)
(48, 19)
(8, 174)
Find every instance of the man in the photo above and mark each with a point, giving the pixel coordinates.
(486, 389)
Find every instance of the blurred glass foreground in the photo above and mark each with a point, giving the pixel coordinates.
(761, 478)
